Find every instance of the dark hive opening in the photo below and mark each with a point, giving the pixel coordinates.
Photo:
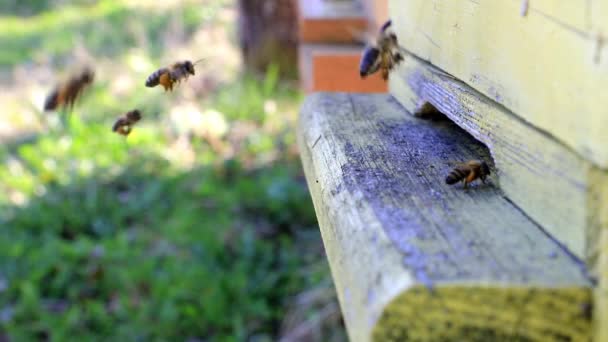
(468, 147)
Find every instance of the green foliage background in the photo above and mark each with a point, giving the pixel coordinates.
(173, 234)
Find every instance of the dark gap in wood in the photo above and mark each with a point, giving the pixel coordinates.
(428, 111)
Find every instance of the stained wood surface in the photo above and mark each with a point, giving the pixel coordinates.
(549, 181)
(549, 67)
(413, 256)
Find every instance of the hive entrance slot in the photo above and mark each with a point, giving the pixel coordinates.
(474, 149)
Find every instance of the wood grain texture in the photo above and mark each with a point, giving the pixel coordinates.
(543, 66)
(408, 251)
(563, 192)
(549, 181)
(598, 197)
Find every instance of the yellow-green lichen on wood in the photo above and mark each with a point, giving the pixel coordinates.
(542, 66)
(393, 229)
(598, 198)
(460, 313)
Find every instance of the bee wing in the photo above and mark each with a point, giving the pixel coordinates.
(474, 164)
(200, 60)
(363, 37)
(404, 52)
(454, 163)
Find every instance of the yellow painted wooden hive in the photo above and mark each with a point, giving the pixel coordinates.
(531, 83)
(522, 258)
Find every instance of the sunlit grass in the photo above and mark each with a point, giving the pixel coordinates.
(196, 226)
(106, 28)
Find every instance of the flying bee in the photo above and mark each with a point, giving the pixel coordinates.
(64, 95)
(383, 56)
(468, 172)
(167, 77)
(125, 123)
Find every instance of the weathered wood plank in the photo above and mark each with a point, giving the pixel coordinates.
(542, 66)
(598, 197)
(560, 190)
(330, 68)
(412, 255)
(549, 181)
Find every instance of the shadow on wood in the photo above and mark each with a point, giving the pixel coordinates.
(412, 256)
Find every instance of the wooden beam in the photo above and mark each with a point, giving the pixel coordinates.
(549, 181)
(546, 66)
(335, 68)
(323, 22)
(413, 256)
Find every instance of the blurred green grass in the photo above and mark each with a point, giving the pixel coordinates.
(106, 26)
(196, 227)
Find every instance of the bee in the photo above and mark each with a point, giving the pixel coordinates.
(125, 123)
(468, 172)
(383, 56)
(64, 95)
(167, 77)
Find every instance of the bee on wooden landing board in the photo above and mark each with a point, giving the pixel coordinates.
(65, 94)
(468, 172)
(168, 76)
(383, 56)
(125, 123)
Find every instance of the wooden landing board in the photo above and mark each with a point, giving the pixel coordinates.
(550, 66)
(554, 185)
(549, 181)
(413, 256)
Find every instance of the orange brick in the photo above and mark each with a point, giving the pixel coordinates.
(322, 21)
(336, 69)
